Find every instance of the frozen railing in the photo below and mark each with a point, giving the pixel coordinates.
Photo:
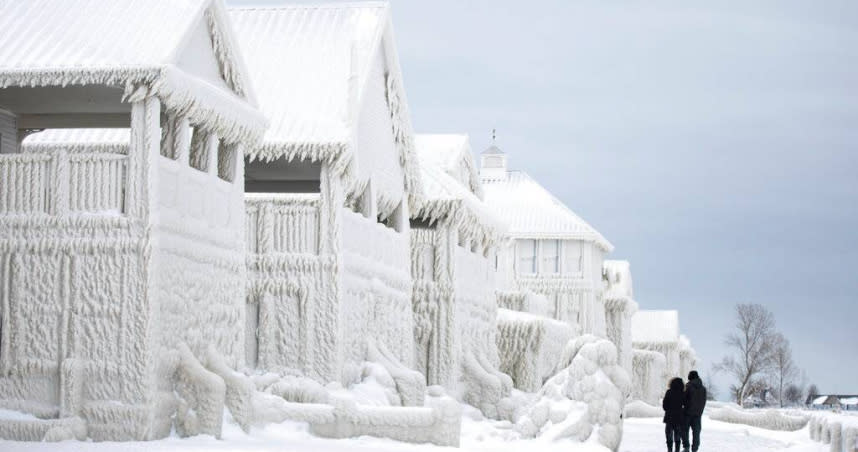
(59, 183)
(374, 241)
(25, 183)
(282, 223)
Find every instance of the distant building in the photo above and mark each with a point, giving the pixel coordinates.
(832, 402)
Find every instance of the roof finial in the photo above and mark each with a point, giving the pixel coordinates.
(494, 135)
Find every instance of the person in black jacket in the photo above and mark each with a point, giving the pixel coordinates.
(695, 402)
(674, 415)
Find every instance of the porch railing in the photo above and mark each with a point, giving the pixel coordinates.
(59, 183)
(283, 223)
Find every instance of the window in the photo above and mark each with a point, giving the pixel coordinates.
(550, 256)
(526, 256)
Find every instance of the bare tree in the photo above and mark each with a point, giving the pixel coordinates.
(784, 371)
(793, 394)
(752, 344)
(812, 391)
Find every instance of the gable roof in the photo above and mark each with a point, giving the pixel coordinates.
(533, 212)
(452, 153)
(655, 327)
(132, 44)
(447, 197)
(310, 65)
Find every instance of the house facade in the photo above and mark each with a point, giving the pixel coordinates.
(454, 239)
(552, 251)
(548, 273)
(329, 194)
(120, 265)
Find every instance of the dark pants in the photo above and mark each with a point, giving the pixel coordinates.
(693, 423)
(675, 433)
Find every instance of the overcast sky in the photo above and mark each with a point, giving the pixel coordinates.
(715, 144)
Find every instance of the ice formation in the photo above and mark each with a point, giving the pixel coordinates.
(687, 356)
(620, 306)
(639, 408)
(839, 431)
(768, 419)
(655, 331)
(585, 397)
(648, 369)
(529, 346)
(363, 280)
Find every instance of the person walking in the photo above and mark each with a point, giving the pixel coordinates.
(695, 402)
(674, 415)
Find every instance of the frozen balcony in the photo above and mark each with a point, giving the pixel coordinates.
(60, 183)
(282, 223)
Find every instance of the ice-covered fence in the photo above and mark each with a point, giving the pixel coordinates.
(96, 182)
(768, 419)
(59, 183)
(283, 223)
(25, 183)
(839, 431)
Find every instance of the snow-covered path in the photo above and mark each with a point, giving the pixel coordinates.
(647, 435)
(641, 435)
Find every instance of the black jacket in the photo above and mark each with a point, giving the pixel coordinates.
(672, 404)
(695, 397)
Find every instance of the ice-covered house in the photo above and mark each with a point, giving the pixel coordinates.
(553, 252)
(655, 340)
(329, 192)
(454, 238)
(620, 306)
(119, 265)
(548, 273)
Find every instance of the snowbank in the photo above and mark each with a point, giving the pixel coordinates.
(584, 399)
(768, 419)
(639, 408)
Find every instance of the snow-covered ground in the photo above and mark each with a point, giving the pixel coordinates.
(647, 435)
(641, 435)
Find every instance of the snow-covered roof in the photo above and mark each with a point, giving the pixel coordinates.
(533, 212)
(452, 153)
(136, 45)
(849, 401)
(655, 327)
(310, 64)
(819, 400)
(446, 196)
